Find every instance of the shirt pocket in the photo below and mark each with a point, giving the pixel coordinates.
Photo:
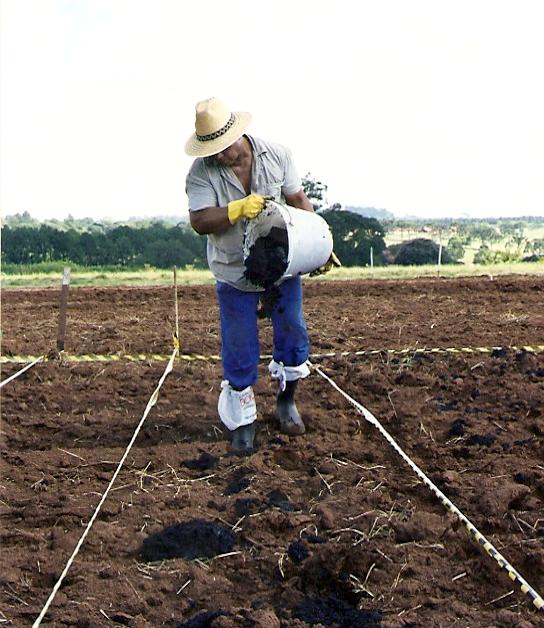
(271, 188)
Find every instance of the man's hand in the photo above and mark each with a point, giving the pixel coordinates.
(332, 262)
(248, 207)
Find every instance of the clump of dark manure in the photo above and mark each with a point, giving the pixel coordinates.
(457, 428)
(189, 540)
(522, 478)
(245, 506)
(236, 486)
(499, 352)
(313, 538)
(267, 259)
(265, 264)
(297, 552)
(268, 300)
(481, 439)
(331, 611)
(203, 462)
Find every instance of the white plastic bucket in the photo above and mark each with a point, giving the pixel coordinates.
(309, 236)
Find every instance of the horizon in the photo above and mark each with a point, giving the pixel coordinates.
(185, 218)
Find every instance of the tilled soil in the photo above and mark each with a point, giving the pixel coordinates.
(330, 528)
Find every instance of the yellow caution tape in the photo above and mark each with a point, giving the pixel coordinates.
(23, 370)
(195, 357)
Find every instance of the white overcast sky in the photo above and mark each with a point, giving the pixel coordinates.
(426, 107)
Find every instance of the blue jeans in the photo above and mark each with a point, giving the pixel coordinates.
(239, 331)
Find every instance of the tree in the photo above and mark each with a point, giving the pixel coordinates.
(485, 233)
(455, 248)
(315, 191)
(420, 251)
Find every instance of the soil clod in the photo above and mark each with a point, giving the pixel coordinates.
(280, 500)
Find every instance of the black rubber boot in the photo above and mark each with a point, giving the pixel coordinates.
(242, 440)
(286, 411)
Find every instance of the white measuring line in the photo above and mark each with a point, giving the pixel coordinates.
(28, 366)
(152, 401)
(514, 575)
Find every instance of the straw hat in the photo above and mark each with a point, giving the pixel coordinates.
(216, 128)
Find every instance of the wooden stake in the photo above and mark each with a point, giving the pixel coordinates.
(63, 307)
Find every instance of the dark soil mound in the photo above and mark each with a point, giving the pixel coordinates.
(189, 540)
(331, 611)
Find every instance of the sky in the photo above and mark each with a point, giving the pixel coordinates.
(432, 108)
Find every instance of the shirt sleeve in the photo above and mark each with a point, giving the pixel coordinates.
(292, 181)
(199, 188)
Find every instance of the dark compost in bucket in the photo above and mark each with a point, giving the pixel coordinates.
(266, 263)
(267, 259)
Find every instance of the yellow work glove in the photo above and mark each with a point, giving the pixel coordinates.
(248, 207)
(332, 262)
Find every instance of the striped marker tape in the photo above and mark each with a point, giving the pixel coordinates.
(26, 368)
(513, 574)
(197, 357)
(114, 357)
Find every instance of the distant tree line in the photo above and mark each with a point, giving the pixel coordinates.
(157, 245)
(162, 246)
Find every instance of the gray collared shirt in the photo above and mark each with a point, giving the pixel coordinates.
(273, 173)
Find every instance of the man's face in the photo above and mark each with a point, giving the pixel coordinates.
(231, 156)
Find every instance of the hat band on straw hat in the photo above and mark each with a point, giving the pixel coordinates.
(216, 134)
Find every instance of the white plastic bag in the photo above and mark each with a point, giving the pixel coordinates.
(236, 407)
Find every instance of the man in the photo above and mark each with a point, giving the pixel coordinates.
(226, 186)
